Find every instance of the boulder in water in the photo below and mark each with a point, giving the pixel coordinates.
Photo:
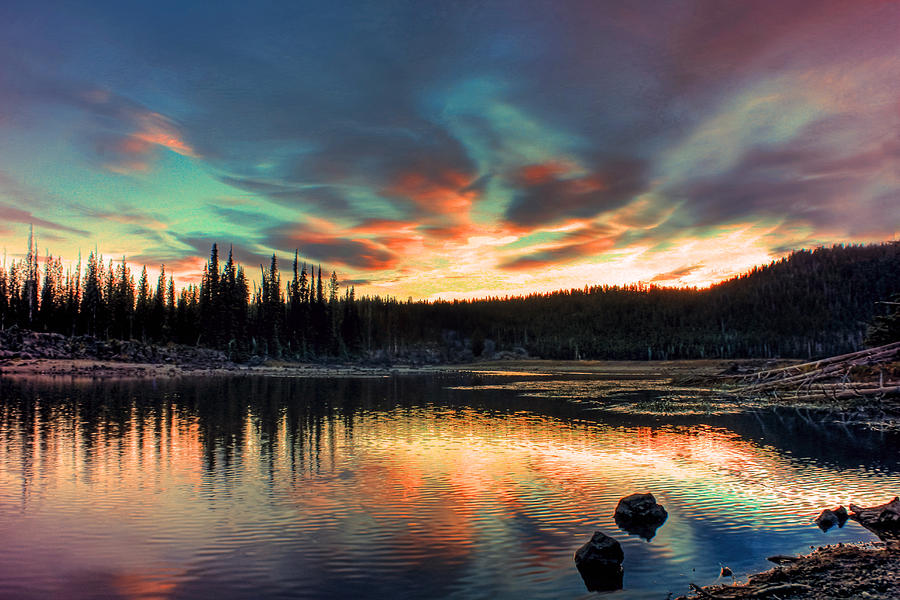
(640, 514)
(599, 562)
(829, 518)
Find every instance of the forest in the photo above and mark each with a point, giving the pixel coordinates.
(811, 303)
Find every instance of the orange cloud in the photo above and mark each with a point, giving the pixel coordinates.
(449, 193)
(159, 130)
(543, 172)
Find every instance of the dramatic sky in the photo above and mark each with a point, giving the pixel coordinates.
(452, 149)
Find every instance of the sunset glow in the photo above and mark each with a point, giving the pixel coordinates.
(495, 148)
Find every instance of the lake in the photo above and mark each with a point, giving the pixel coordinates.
(449, 486)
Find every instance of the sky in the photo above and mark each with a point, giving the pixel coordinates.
(451, 149)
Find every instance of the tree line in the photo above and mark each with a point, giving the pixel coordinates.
(811, 303)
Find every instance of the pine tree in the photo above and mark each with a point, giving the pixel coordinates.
(122, 301)
(272, 307)
(51, 300)
(295, 307)
(91, 311)
(158, 325)
(30, 287)
(143, 306)
(4, 297)
(210, 301)
(170, 301)
(320, 298)
(885, 329)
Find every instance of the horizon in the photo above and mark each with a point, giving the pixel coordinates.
(285, 268)
(478, 149)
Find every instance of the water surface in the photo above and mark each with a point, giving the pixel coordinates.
(469, 486)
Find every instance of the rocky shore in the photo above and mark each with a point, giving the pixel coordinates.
(22, 345)
(870, 571)
(30, 353)
(829, 572)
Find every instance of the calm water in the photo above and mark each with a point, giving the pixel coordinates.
(404, 487)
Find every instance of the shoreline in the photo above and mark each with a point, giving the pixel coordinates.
(865, 570)
(104, 369)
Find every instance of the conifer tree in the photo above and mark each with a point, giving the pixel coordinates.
(91, 309)
(51, 290)
(241, 309)
(4, 299)
(157, 324)
(210, 301)
(30, 286)
(885, 329)
(143, 306)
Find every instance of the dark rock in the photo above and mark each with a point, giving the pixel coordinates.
(829, 518)
(599, 562)
(640, 514)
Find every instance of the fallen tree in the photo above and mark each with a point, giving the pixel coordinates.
(871, 373)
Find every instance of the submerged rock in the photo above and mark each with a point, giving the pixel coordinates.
(640, 514)
(599, 562)
(829, 518)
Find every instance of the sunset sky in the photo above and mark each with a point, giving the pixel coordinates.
(451, 149)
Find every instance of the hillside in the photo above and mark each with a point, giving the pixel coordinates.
(812, 303)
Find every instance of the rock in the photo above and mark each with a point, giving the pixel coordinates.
(640, 514)
(829, 518)
(599, 562)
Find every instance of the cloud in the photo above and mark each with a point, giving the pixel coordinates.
(550, 192)
(330, 248)
(17, 215)
(676, 274)
(805, 180)
(253, 218)
(137, 150)
(124, 135)
(583, 243)
(308, 198)
(446, 192)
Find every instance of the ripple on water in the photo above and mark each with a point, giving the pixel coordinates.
(401, 489)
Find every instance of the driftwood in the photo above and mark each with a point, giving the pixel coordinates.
(882, 520)
(826, 379)
(874, 353)
(741, 592)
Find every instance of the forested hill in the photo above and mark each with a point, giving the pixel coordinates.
(812, 303)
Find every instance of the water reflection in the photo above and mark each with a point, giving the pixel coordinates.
(408, 487)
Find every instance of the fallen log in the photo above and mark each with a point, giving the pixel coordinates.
(880, 352)
(744, 592)
(882, 520)
(845, 395)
